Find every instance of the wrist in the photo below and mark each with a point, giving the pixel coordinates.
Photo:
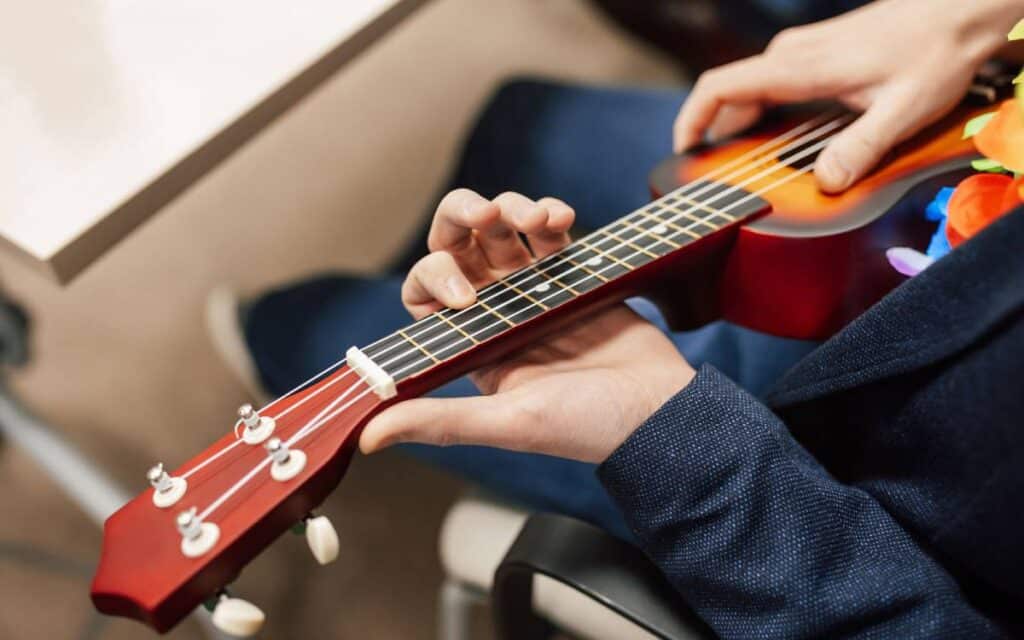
(644, 393)
(663, 382)
(981, 30)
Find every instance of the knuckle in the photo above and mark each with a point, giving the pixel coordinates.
(706, 81)
(509, 197)
(787, 38)
(432, 264)
(452, 198)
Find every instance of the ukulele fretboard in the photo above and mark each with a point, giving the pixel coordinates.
(662, 227)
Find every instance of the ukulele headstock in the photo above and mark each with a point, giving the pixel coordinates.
(182, 541)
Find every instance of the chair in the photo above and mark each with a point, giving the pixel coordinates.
(547, 573)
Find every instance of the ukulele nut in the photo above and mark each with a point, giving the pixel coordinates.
(371, 373)
(257, 428)
(167, 490)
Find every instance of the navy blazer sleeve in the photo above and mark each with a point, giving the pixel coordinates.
(761, 541)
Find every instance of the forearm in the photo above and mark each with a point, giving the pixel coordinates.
(985, 24)
(756, 535)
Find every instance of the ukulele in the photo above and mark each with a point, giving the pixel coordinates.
(738, 231)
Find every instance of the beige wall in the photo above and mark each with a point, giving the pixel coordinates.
(122, 363)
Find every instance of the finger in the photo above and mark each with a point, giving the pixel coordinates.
(501, 243)
(857, 149)
(732, 119)
(555, 234)
(436, 281)
(459, 214)
(757, 80)
(481, 420)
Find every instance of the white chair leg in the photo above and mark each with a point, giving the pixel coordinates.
(455, 607)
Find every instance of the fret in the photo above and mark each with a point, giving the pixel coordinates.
(657, 229)
(669, 212)
(510, 305)
(572, 273)
(540, 280)
(650, 215)
(418, 346)
(683, 215)
(732, 202)
(647, 236)
(457, 328)
(496, 314)
(404, 361)
(615, 249)
(608, 251)
(593, 267)
(386, 348)
(482, 324)
(616, 230)
(528, 296)
(718, 211)
(582, 266)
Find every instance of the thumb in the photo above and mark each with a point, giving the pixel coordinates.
(858, 148)
(438, 421)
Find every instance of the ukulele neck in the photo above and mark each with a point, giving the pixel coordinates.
(604, 267)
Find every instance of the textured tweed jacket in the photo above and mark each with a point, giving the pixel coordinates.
(878, 490)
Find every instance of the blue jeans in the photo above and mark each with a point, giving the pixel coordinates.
(593, 148)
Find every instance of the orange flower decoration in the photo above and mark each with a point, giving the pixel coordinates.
(1002, 139)
(980, 200)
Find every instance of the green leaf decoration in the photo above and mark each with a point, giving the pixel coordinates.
(987, 166)
(1017, 33)
(975, 125)
(1019, 79)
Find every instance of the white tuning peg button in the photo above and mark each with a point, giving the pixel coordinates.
(167, 490)
(257, 428)
(237, 617)
(322, 539)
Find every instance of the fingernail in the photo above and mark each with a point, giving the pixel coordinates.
(458, 287)
(835, 175)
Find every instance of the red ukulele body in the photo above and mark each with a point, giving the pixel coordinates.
(815, 261)
(802, 266)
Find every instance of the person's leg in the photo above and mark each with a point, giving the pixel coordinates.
(593, 147)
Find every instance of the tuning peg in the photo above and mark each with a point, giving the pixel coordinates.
(237, 617)
(257, 428)
(197, 537)
(322, 539)
(286, 463)
(167, 489)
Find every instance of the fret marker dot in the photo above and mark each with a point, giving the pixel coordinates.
(595, 261)
(542, 287)
(660, 229)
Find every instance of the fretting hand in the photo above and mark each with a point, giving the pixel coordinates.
(904, 63)
(577, 394)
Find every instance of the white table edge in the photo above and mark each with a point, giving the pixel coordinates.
(70, 260)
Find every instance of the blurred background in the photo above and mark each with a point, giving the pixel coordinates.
(123, 366)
